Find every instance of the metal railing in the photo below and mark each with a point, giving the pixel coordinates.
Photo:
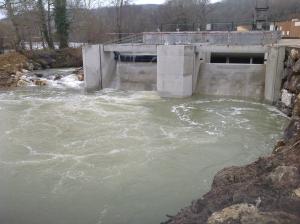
(124, 38)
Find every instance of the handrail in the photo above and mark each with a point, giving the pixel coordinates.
(129, 38)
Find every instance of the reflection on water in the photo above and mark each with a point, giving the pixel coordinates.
(119, 157)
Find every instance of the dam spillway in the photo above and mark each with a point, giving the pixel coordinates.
(117, 156)
(233, 64)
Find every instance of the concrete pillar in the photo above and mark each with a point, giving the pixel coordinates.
(175, 69)
(99, 67)
(108, 66)
(92, 67)
(274, 71)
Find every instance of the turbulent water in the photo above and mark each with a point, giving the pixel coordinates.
(119, 157)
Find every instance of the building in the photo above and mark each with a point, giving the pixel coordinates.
(289, 29)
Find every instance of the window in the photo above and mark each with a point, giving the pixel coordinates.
(237, 58)
(135, 58)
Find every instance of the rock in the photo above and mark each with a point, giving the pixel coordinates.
(36, 66)
(284, 176)
(79, 74)
(280, 143)
(295, 54)
(296, 67)
(229, 176)
(57, 77)
(297, 192)
(287, 74)
(39, 82)
(269, 218)
(290, 62)
(18, 74)
(279, 147)
(294, 84)
(292, 130)
(296, 109)
(286, 98)
(80, 77)
(232, 214)
(22, 83)
(249, 214)
(30, 66)
(39, 75)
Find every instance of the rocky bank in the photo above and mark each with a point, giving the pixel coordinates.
(266, 191)
(15, 66)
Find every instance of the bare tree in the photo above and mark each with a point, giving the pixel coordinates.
(45, 23)
(119, 5)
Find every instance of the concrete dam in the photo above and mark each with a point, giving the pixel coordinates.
(180, 64)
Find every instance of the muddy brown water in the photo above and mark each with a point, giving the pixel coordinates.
(119, 157)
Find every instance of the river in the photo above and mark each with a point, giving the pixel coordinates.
(119, 156)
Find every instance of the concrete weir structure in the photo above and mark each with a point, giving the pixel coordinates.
(181, 64)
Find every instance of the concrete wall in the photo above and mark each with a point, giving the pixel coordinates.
(92, 67)
(224, 38)
(108, 68)
(274, 71)
(185, 69)
(239, 80)
(137, 76)
(99, 67)
(175, 69)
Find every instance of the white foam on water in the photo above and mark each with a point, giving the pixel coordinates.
(115, 151)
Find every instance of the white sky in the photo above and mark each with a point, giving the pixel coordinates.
(149, 1)
(158, 1)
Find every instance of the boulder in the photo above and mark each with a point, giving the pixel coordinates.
(296, 67)
(232, 214)
(294, 54)
(39, 75)
(286, 98)
(294, 84)
(292, 130)
(79, 74)
(40, 82)
(297, 192)
(57, 77)
(250, 214)
(80, 77)
(284, 176)
(22, 83)
(269, 218)
(30, 66)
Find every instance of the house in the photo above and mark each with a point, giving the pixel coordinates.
(289, 29)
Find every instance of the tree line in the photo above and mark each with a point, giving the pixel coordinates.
(94, 21)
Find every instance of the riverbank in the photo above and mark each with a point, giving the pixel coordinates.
(267, 190)
(15, 66)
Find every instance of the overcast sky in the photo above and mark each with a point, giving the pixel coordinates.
(157, 1)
